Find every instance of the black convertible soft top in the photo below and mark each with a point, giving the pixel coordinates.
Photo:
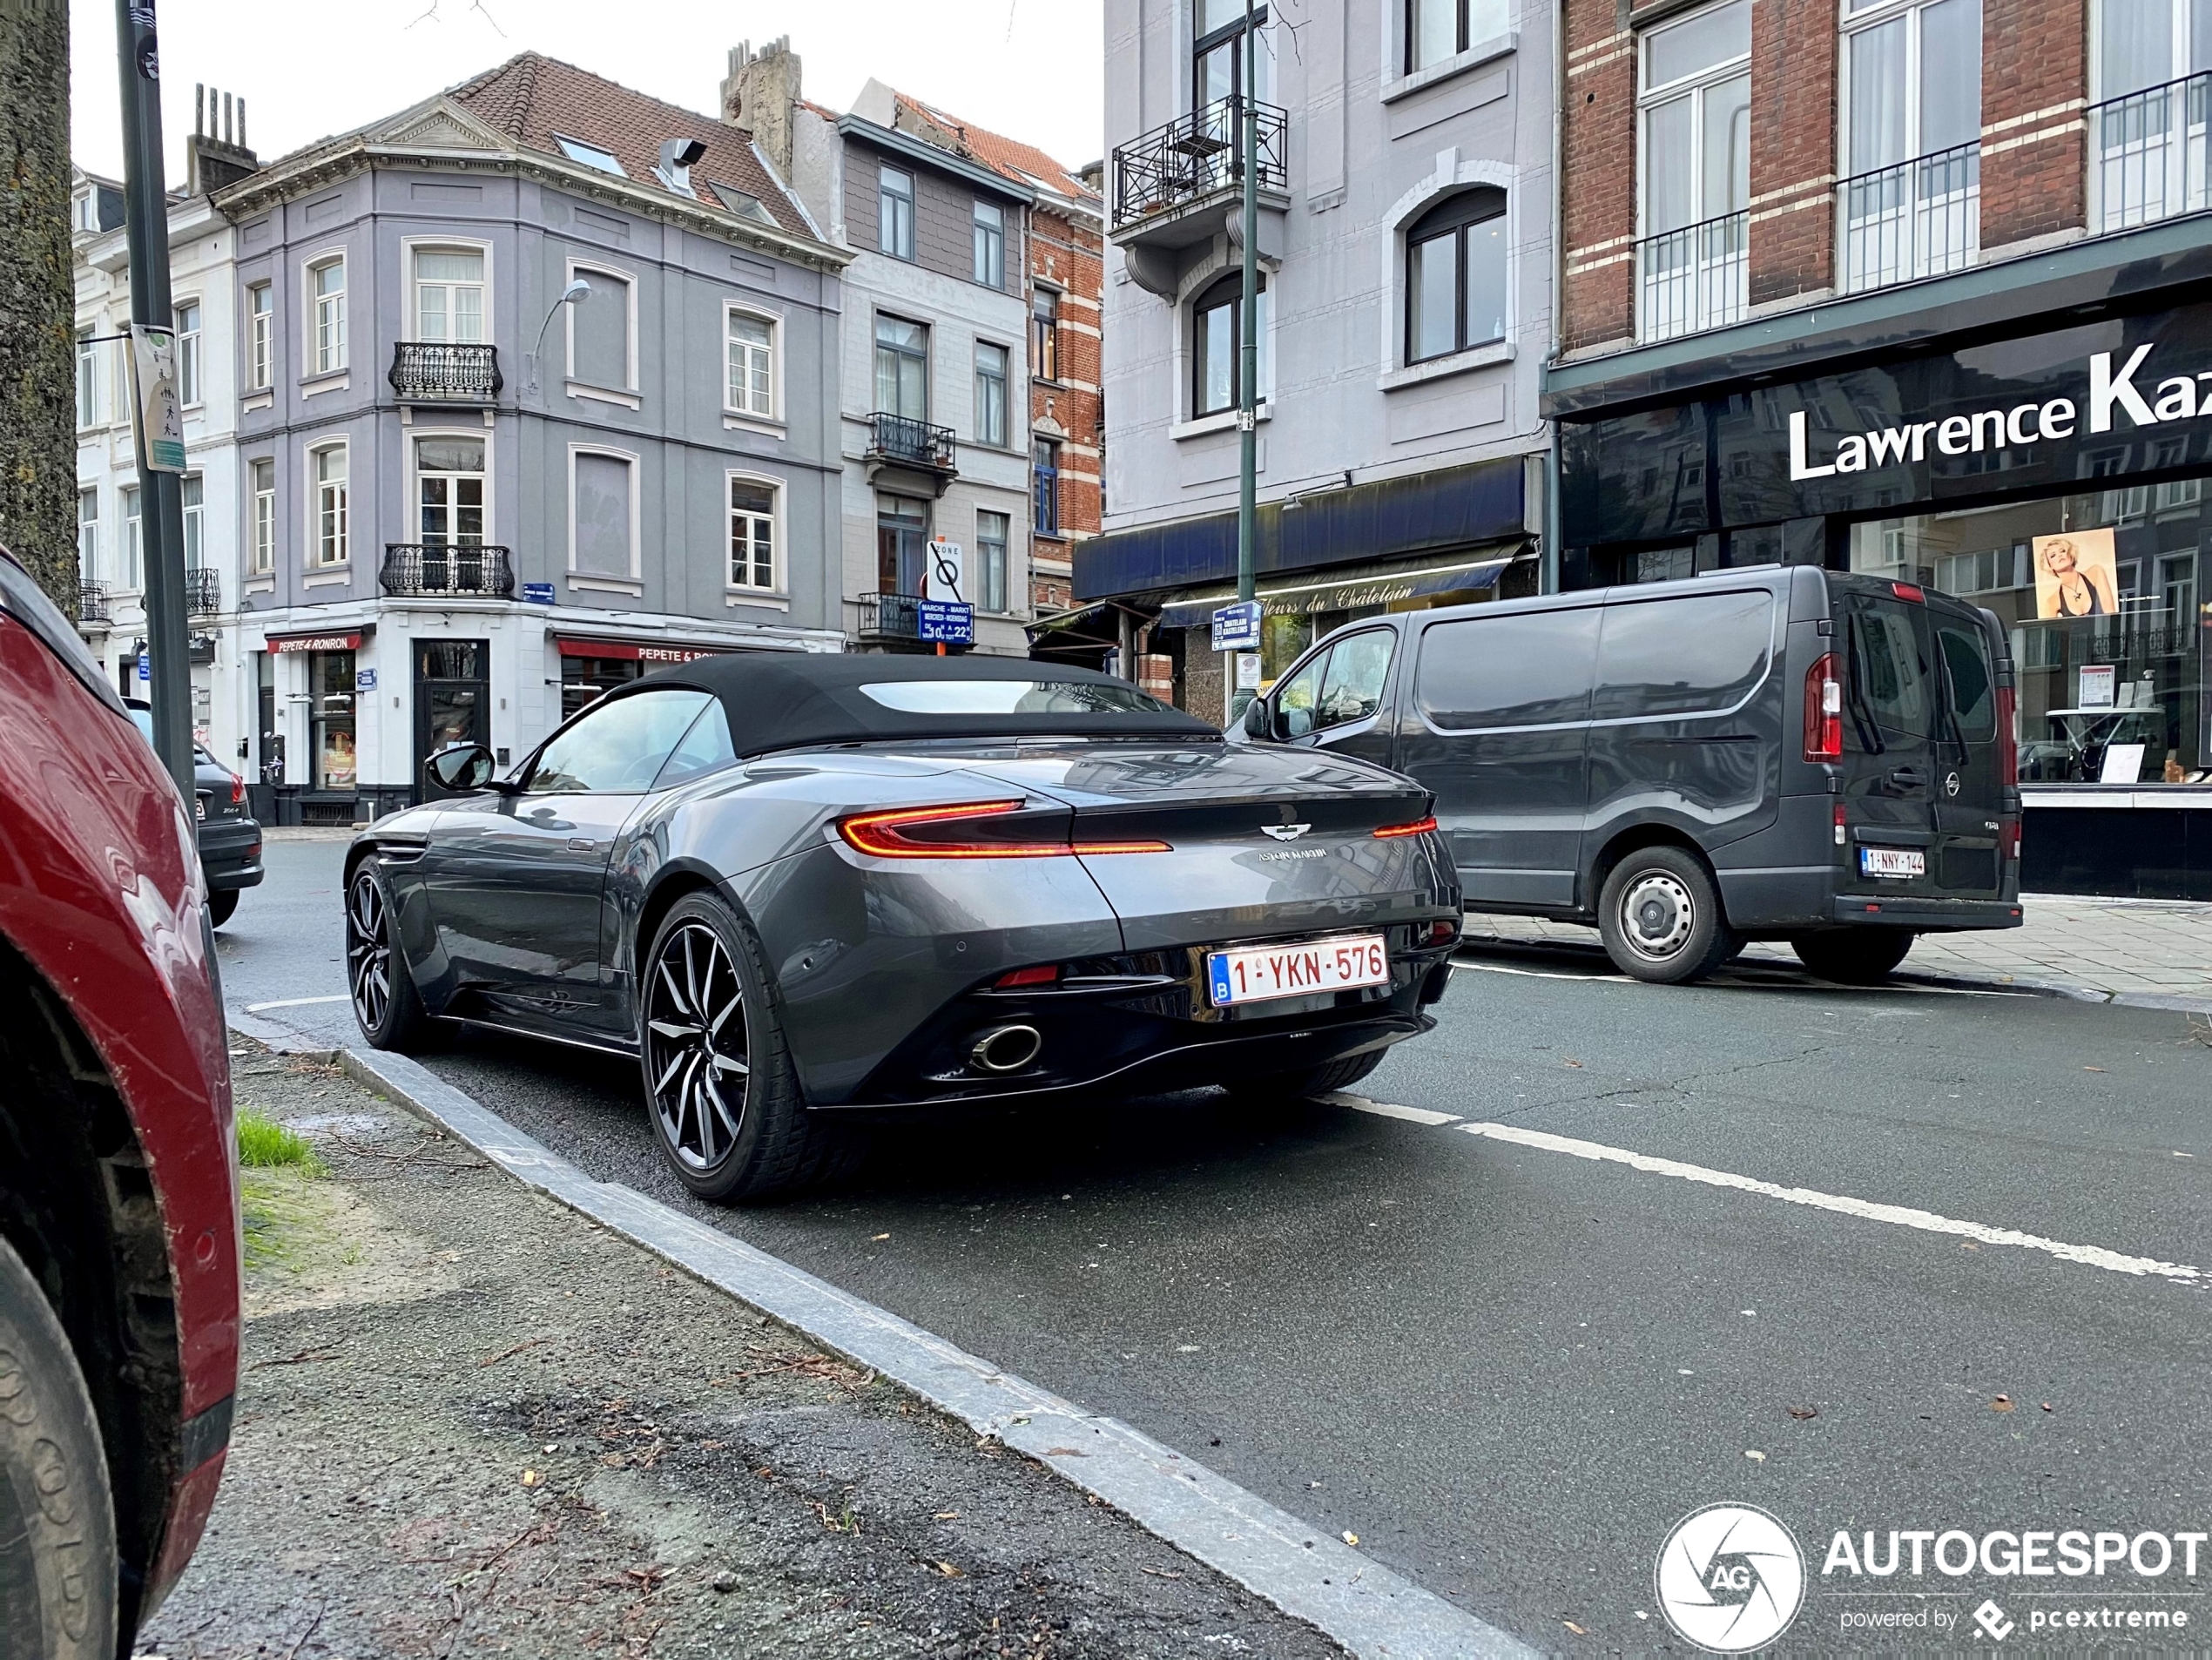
(778, 700)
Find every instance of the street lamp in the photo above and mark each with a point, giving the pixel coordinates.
(577, 289)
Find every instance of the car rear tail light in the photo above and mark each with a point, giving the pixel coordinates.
(890, 835)
(1910, 590)
(1824, 711)
(1839, 823)
(1439, 933)
(1044, 974)
(1417, 827)
(2008, 747)
(238, 789)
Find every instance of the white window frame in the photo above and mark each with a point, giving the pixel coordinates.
(912, 197)
(1005, 439)
(191, 357)
(130, 508)
(776, 518)
(1692, 86)
(1006, 575)
(260, 337)
(409, 247)
(1899, 226)
(733, 308)
(592, 579)
(627, 394)
(88, 380)
(264, 515)
(315, 504)
(88, 534)
(318, 305)
(979, 235)
(411, 513)
(194, 517)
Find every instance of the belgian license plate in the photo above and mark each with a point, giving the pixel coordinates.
(1254, 973)
(200, 806)
(1892, 861)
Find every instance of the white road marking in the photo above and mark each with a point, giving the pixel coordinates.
(1902, 1216)
(1729, 982)
(293, 1002)
(1385, 1109)
(1538, 974)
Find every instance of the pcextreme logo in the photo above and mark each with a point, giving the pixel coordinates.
(1730, 1578)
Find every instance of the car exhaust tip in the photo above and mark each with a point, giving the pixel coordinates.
(1006, 1048)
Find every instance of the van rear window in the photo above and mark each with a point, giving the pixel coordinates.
(1964, 650)
(1684, 656)
(1890, 683)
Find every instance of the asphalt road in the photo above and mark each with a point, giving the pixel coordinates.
(1509, 1369)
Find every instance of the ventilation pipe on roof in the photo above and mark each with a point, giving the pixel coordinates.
(676, 156)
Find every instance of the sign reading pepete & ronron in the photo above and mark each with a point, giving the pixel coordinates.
(2122, 397)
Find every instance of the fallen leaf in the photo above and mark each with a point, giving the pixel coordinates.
(948, 1570)
(1351, 1538)
(1804, 1413)
(532, 1478)
(2003, 1403)
(1575, 1629)
(1755, 1455)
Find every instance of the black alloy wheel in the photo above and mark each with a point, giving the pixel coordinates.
(385, 1004)
(696, 1065)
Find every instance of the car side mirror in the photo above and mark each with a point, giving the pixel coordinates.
(1258, 726)
(461, 768)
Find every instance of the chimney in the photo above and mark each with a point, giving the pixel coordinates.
(216, 155)
(759, 93)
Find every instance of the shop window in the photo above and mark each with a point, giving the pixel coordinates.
(330, 716)
(583, 680)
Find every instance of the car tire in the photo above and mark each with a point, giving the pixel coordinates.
(1308, 1081)
(387, 1006)
(220, 906)
(58, 1563)
(1661, 918)
(1854, 957)
(703, 969)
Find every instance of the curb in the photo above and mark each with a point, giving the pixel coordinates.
(1308, 1574)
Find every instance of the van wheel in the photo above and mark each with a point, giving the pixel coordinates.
(1660, 915)
(1854, 957)
(57, 1552)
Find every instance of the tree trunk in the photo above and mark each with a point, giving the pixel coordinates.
(37, 299)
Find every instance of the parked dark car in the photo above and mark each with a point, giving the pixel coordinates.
(1773, 753)
(118, 1205)
(229, 840)
(803, 887)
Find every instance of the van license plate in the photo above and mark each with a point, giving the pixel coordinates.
(1892, 861)
(1256, 973)
(200, 806)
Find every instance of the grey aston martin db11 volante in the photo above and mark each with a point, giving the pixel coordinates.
(803, 889)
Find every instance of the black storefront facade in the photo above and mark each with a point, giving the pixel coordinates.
(2034, 436)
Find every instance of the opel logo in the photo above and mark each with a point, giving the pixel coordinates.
(1285, 831)
(1951, 783)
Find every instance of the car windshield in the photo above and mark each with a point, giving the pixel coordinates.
(1011, 697)
(143, 719)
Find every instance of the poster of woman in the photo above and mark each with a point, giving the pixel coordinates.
(2076, 575)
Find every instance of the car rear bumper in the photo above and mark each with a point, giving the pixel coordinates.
(230, 854)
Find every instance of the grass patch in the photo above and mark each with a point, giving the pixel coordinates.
(263, 1144)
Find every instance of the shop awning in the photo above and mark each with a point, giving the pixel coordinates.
(1370, 588)
(1088, 628)
(635, 650)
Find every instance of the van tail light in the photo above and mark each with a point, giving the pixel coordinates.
(891, 835)
(2012, 841)
(237, 790)
(2008, 745)
(1911, 591)
(1824, 711)
(1839, 823)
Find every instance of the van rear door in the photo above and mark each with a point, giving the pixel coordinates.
(1893, 703)
(1968, 792)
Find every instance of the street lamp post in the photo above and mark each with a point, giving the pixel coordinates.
(577, 289)
(1248, 353)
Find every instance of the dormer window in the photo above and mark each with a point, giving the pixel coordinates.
(742, 204)
(590, 155)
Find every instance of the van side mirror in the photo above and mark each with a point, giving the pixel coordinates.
(1258, 725)
(461, 769)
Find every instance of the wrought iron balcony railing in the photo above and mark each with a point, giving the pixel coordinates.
(463, 570)
(1692, 278)
(2147, 152)
(1920, 218)
(203, 591)
(1194, 155)
(435, 371)
(890, 616)
(91, 602)
(909, 442)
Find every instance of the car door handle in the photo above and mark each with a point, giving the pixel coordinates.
(580, 844)
(1911, 778)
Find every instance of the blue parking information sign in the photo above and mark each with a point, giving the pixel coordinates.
(949, 622)
(1236, 628)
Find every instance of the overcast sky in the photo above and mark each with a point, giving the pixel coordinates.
(1030, 69)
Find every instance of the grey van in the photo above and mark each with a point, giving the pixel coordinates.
(1774, 754)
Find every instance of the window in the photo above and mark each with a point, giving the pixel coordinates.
(619, 747)
(1530, 671)
(1912, 125)
(750, 365)
(260, 337)
(1696, 119)
(990, 245)
(706, 748)
(195, 511)
(1972, 679)
(1342, 685)
(327, 280)
(449, 491)
(901, 538)
(2177, 589)
(1045, 471)
(1888, 686)
(134, 547)
(752, 533)
(2144, 44)
(895, 226)
(264, 515)
(1455, 275)
(990, 393)
(902, 367)
(990, 561)
(1044, 335)
(187, 317)
(1437, 30)
(88, 535)
(1218, 54)
(603, 525)
(1661, 658)
(599, 331)
(590, 155)
(332, 521)
(1218, 323)
(88, 381)
(450, 295)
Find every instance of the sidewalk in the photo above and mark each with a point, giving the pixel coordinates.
(2157, 952)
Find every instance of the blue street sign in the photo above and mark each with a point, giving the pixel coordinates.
(145, 665)
(537, 593)
(364, 679)
(951, 621)
(1236, 628)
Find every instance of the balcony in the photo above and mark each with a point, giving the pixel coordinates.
(1916, 218)
(433, 372)
(1692, 278)
(890, 616)
(203, 592)
(915, 454)
(2146, 153)
(91, 603)
(438, 570)
(1171, 186)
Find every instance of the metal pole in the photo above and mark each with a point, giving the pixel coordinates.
(145, 221)
(1248, 354)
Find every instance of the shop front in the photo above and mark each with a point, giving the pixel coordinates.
(309, 760)
(2056, 475)
(590, 667)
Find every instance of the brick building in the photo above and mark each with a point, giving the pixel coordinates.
(1920, 288)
